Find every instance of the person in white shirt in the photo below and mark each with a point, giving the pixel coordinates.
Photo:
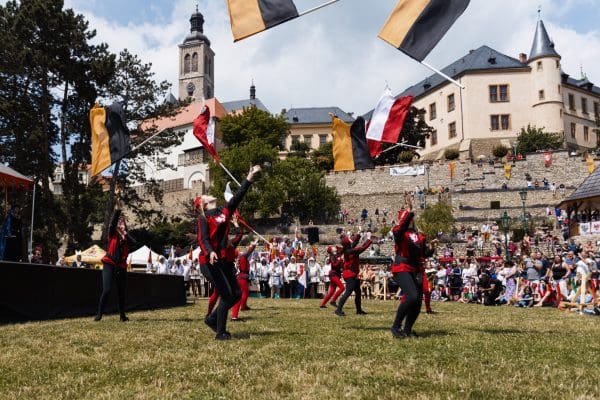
(291, 275)
(470, 270)
(177, 268)
(325, 273)
(314, 273)
(275, 278)
(195, 278)
(162, 267)
(263, 277)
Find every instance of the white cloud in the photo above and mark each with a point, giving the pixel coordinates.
(333, 57)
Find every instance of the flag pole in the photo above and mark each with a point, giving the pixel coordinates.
(437, 71)
(402, 145)
(146, 141)
(229, 173)
(317, 8)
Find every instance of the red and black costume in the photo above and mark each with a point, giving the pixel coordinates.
(114, 267)
(243, 278)
(407, 269)
(350, 252)
(335, 273)
(229, 258)
(213, 237)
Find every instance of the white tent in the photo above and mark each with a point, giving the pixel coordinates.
(195, 254)
(140, 256)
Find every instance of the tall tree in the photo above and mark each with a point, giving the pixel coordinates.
(142, 98)
(532, 139)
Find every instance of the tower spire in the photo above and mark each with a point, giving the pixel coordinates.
(542, 44)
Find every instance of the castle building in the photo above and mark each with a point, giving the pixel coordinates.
(504, 94)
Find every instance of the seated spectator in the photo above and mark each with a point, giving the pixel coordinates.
(438, 294)
(525, 297)
(490, 290)
(547, 296)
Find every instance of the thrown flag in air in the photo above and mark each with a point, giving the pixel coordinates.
(350, 148)
(416, 26)
(204, 130)
(388, 118)
(249, 17)
(110, 136)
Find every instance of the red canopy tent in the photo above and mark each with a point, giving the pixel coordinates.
(9, 176)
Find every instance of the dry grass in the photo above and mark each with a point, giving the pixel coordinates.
(293, 349)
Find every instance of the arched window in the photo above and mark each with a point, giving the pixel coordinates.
(195, 62)
(206, 66)
(187, 60)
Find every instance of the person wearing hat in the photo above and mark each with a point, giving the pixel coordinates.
(213, 239)
(407, 269)
(336, 287)
(115, 264)
(351, 251)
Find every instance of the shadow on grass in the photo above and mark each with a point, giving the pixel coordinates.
(149, 319)
(248, 335)
(423, 334)
(503, 331)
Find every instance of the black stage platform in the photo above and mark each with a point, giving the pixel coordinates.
(33, 292)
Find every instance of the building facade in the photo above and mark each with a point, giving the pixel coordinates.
(504, 94)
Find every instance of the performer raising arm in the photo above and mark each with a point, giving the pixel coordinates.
(351, 251)
(407, 270)
(213, 237)
(335, 273)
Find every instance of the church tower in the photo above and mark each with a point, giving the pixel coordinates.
(196, 63)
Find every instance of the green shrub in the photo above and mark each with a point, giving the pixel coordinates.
(500, 151)
(451, 154)
(406, 156)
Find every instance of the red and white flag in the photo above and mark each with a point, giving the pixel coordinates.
(204, 130)
(388, 118)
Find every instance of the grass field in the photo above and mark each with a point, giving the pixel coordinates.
(293, 349)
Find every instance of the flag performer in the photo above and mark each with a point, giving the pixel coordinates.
(350, 251)
(243, 278)
(213, 232)
(336, 287)
(407, 269)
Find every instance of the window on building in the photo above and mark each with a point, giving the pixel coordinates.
(308, 140)
(584, 108)
(540, 66)
(573, 130)
(434, 138)
(451, 130)
(586, 134)
(187, 64)
(295, 138)
(559, 89)
(161, 163)
(541, 95)
(322, 140)
(191, 157)
(596, 109)
(500, 122)
(557, 64)
(195, 62)
(432, 111)
(498, 93)
(451, 103)
(571, 102)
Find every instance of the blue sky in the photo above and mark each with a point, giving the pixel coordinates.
(333, 57)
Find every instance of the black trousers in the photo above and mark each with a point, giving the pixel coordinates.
(352, 285)
(110, 274)
(223, 277)
(410, 308)
(265, 290)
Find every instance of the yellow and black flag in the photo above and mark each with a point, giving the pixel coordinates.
(350, 148)
(110, 136)
(416, 26)
(249, 17)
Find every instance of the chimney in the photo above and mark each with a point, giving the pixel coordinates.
(283, 111)
(523, 58)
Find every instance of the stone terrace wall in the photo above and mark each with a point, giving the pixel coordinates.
(567, 170)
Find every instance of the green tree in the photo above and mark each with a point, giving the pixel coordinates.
(436, 218)
(323, 156)
(134, 86)
(532, 139)
(252, 124)
(299, 149)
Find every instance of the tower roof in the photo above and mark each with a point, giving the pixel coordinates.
(196, 29)
(542, 45)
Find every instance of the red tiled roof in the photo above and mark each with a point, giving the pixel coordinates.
(186, 116)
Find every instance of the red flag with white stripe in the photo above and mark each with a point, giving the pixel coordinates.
(388, 118)
(204, 130)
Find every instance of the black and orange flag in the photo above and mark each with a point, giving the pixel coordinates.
(110, 136)
(416, 26)
(350, 148)
(249, 17)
